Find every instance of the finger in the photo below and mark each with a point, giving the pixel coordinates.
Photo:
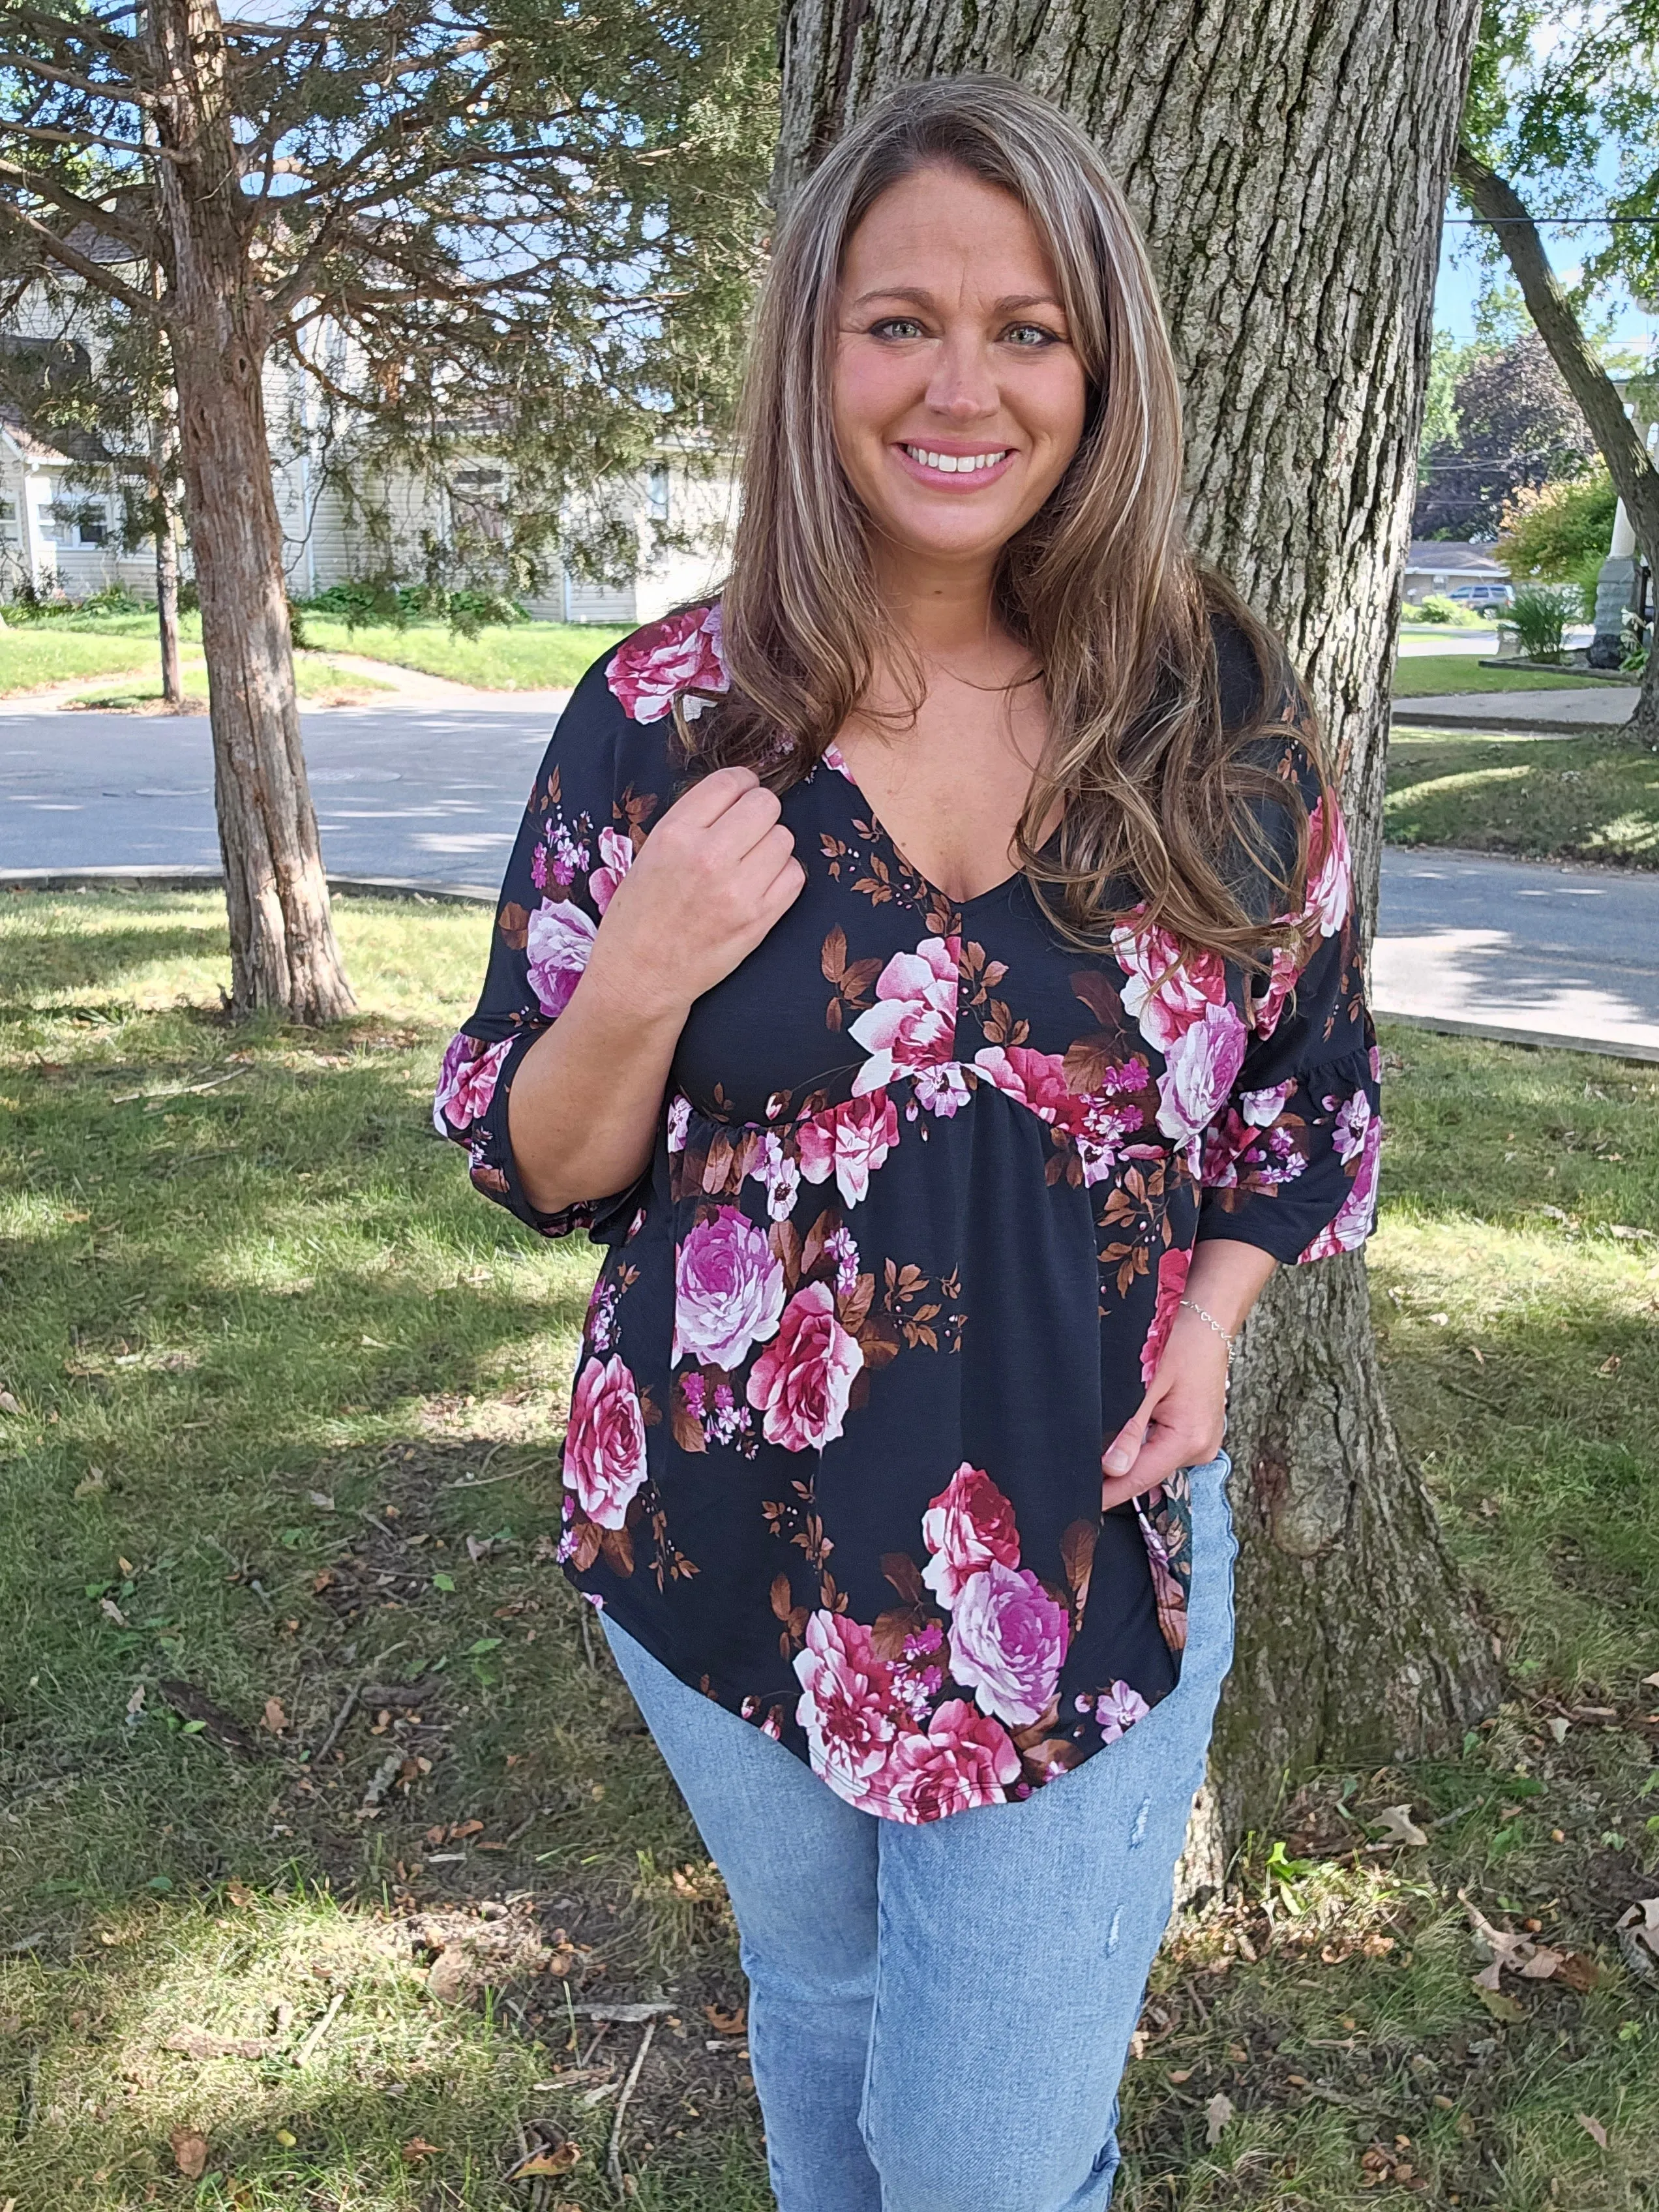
(1164, 1451)
(1122, 1451)
(711, 795)
(732, 837)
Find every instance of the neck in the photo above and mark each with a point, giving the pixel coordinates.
(943, 608)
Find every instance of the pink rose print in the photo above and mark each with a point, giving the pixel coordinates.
(604, 1446)
(802, 1381)
(833, 757)
(1118, 1709)
(1354, 1223)
(1262, 1109)
(616, 855)
(1200, 1067)
(648, 670)
(966, 1526)
(1036, 1080)
(1172, 1270)
(964, 1759)
(680, 1121)
(467, 1081)
(1266, 1010)
(850, 1141)
(1330, 874)
(912, 1025)
(1008, 1638)
(728, 1291)
(846, 1704)
(1352, 1125)
(559, 941)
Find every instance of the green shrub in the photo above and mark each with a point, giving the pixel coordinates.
(1436, 608)
(364, 603)
(1540, 616)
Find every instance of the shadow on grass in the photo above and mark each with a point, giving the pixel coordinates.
(43, 963)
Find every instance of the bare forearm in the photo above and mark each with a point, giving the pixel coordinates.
(583, 1111)
(1227, 1277)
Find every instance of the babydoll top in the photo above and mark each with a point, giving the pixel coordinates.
(926, 1189)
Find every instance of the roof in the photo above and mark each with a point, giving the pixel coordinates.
(1452, 556)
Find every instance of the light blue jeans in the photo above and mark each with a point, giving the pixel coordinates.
(938, 2015)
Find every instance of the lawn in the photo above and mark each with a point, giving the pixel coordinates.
(318, 682)
(1429, 674)
(1558, 799)
(516, 657)
(35, 655)
(329, 1838)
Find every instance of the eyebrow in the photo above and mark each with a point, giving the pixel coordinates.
(925, 299)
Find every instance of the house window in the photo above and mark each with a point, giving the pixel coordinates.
(8, 522)
(92, 524)
(656, 491)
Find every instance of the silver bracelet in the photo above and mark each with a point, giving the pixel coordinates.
(1224, 1335)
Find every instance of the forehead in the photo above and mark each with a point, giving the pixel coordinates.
(939, 220)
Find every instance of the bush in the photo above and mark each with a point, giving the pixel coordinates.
(1550, 536)
(364, 604)
(1539, 618)
(1436, 608)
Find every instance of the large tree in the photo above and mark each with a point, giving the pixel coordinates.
(1516, 429)
(1544, 121)
(1289, 164)
(519, 229)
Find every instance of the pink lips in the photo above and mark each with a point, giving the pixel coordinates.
(937, 479)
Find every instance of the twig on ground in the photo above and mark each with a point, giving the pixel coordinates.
(376, 1522)
(613, 2156)
(340, 1720)
(588, 1642)
(624, 2016)
(27, 1942)
(302, 2055)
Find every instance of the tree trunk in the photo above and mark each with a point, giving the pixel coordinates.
(1623, 449)
(1289, 164)
(283, 949)
(166, 573)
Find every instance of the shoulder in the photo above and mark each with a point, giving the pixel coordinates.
(618, 729)
(680, 656)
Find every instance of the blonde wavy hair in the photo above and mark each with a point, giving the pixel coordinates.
(1162, 805)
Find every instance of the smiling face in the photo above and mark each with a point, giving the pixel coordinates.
(958, 399)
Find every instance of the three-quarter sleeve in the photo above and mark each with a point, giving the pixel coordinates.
(1290, 1163)
(601, 781)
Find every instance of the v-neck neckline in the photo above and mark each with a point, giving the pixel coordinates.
(836, 761)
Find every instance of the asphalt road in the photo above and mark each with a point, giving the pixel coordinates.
(435, 793)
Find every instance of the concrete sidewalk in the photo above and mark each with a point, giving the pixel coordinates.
(1566, 713)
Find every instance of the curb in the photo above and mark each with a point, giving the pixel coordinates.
(146, 877)
(1533, 725)
(1535, 1040)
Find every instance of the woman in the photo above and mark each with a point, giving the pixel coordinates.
(930, 970)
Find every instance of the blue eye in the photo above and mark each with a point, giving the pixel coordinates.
(1031, 334)
(904, 327)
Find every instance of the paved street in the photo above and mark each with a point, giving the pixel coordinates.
(435, 792)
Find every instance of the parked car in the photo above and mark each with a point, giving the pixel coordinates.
(1484, 596)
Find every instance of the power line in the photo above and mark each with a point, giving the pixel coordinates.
(1561, 221)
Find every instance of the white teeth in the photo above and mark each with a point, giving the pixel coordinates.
(952, 465)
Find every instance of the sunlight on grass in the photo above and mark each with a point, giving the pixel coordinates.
(1541, 798)
(514, 657)
(1421, 676)
(283, 1474)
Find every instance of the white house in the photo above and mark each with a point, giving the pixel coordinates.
(66, 535)
(1442, 566)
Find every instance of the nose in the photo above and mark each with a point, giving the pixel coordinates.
(962, 387)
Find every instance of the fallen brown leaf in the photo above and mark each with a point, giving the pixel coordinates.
(551, 2158)
(275, 1718)
(1217, 2113)
(727, 2023)
(189, 2151)
(1594, 2129)
(418, 2148)
(1400, 1825)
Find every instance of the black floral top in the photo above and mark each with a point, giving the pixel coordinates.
(925, 1194)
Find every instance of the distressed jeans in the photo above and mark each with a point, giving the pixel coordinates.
(938, 2016)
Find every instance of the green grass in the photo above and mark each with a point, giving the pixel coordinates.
(1428, 675)
(518, 657)
(35, 655)
(1560, 799)
(288, 1399)
(318, 682)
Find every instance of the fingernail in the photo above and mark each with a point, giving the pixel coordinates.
(1117, 1463)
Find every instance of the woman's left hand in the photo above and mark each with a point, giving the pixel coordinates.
(1181, 1420)
(1183, 1416)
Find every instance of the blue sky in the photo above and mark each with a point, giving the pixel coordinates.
(1461, 277)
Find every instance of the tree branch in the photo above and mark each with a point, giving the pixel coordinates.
(119, 89)
(113, 226)
(91, 138)
(89, 271)
(1634, 476)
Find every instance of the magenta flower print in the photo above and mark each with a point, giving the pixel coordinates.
(616, 858)
(1354, 1122)
(560, 938)
(1036, 1080)
(1201, 1065)
(849, 1141)
(1172, 1271)
(1330, 871)
(1119, 1708)
(969, 1524)
(604, 1445)
(1181, 1003)
(1008, 1639)
(728, 1291)
(466, 1082)
(913, 1024)
(801, 1383)
(846, 1704)
(683, 650)
(1357, 1214)
(965, 1758)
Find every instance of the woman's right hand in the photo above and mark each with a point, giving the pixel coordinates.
(708, 883)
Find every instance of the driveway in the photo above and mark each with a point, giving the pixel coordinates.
(435, 792)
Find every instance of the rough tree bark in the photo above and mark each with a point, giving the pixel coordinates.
(1289, 164)
(1634, 476)
(284, 954)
